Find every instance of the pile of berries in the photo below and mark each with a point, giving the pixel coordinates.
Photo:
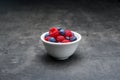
(59, 35)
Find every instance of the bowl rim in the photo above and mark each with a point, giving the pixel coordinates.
(52, 43)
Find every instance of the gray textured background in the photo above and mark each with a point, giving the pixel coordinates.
(22, 57)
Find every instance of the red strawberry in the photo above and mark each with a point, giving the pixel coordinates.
(68, 33)
(47, 38)
(60, 38)
(53, 32)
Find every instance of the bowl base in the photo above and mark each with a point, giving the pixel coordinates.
(62, 58)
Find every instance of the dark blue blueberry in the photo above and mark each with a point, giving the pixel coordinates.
(52, 39)
(68, 38)
(73, 38)
(62, 32)
(46, 35)
(59, 28)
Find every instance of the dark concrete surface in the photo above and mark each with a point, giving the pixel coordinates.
(22, 57)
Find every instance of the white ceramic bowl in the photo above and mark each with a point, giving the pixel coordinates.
(61, 51)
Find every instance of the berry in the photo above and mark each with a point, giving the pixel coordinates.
(53, 32)
(60, 38)
(62, 32)
(73, 38)
(68, 33)
(65, 41)
(52, 39)
(46, 35)
(47, 38)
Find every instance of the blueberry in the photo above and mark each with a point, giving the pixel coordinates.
(68, 38)
(62, 32)
(46, 35)
(59, 28)
(52, 39)
(73, 38)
